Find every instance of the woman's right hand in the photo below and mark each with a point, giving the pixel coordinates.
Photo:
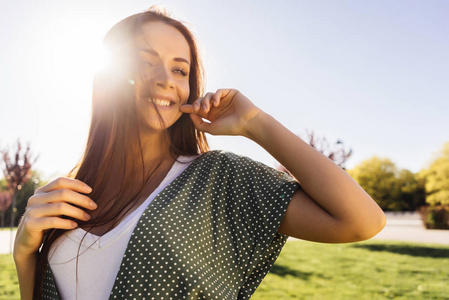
(45, 210)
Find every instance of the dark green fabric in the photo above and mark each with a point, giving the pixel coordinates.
(210, 234)
(49, 290)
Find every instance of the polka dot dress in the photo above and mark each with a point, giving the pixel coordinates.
(210, 234)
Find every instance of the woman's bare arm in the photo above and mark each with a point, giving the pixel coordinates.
(26, 268)
(331, 207)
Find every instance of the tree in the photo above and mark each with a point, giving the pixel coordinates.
(377, 177)
(437, 179)
(17, 172)
(22, 197)
(3, 184)
(5, 203)
(335, 152)
(412, 189)
(391, 188)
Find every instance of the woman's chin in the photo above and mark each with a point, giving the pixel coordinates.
(163, 118)
(154, 124)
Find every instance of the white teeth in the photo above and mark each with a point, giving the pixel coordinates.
(159, 102)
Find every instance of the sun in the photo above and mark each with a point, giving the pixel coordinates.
(101, 58)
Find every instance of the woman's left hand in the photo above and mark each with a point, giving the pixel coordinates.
(227, 110)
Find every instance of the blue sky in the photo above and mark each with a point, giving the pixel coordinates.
(371, 73)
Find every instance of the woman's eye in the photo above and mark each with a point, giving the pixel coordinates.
(181, 71)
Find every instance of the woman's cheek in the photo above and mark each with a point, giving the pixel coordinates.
(186, 94)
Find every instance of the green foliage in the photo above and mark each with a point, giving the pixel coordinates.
(437, 179)
(412, 191)
(435, 217)
(378, 178)
(3, 184)
(23, 195)
(391, 188)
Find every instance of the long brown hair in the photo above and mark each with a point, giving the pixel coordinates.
(114, 135)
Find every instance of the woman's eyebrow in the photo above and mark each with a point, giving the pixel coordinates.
(154, 53)
(180, 59)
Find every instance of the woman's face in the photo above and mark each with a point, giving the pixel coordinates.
(165, 65)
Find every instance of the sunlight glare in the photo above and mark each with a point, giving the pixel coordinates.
(101, 58)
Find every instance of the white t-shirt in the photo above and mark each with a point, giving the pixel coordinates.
(99, 256)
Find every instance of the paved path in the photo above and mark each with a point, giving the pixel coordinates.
(5, 236)
(400, 227)
(408, 227)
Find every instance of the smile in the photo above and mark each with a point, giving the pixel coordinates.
(160, 102)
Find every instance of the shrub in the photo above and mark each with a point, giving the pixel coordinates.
(435, 217)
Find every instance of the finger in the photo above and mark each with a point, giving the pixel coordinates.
(65, 183)
(216, 98)
(187, 108)
(52, 222)
(63, 195)
(220, 94)
(223, 94)
(197, 105)
(205, 104)
(56, 210)
(200, 124)
(190, 110)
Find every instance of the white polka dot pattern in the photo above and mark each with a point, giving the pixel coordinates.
(211, 234)
(49, 290)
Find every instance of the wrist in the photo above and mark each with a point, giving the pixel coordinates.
(255, 127)
(20, 258)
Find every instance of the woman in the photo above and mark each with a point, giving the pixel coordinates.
(151, 212)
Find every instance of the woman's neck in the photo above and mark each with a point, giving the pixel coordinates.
(155, 148)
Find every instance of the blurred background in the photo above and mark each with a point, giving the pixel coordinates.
(372, 74)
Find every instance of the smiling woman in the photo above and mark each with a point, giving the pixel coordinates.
(164, 216)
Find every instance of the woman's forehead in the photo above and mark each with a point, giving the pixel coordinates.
(164, 39)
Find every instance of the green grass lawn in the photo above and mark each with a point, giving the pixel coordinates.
(304, 270)
(9, 285)
(7, 228)
(367, 270)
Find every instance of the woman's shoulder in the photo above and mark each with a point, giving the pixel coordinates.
(230, 159)
(224, 155)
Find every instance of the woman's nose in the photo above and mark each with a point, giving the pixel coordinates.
(164, 79)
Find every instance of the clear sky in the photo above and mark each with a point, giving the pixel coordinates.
(371, 73)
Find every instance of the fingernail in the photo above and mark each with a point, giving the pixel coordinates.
(74, 224)
(93, 204)
(87, 216)
(87, 188)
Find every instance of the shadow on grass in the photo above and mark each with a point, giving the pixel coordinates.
(421, 251)
(284, 271)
